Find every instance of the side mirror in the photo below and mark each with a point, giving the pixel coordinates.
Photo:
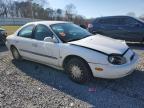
(49, 39)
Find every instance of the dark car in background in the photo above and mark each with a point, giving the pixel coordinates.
(119, 27)
(3, 35)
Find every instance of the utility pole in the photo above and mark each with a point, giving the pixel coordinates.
(32, 10)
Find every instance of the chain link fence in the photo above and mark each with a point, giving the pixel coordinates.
(12, 24)
(15, 21)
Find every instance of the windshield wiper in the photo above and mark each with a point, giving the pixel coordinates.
(73, 40)
(80, 38)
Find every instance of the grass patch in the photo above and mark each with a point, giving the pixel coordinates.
(10, 29)
(143, 54)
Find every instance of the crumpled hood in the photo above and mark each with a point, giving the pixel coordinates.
(103, 44)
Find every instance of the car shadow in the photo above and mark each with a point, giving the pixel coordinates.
(3, 48)
(107, 93)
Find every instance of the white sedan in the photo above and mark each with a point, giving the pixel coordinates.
(68, 47)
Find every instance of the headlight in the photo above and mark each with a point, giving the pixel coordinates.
(116, 59)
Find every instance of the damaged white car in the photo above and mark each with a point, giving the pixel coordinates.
(66, 46)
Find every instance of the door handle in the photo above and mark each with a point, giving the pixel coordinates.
(34, 45)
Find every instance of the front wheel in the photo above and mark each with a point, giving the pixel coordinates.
(78, 70)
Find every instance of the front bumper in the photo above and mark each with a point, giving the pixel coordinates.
(114, 71)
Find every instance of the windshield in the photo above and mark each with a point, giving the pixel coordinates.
(69, 32)
(140, 20)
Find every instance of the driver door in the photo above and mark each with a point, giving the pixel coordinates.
(46, 52)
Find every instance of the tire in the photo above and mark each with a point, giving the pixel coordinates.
(16, 54)
(78, 70)
(1, 41)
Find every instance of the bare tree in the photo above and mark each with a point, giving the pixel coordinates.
(3, 9)
(59, 14)
(70, 11)
(50, 13)
(37, 9)
(42, 3)
(141, 16)
(132, 14)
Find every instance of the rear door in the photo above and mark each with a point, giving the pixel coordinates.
(23, 41)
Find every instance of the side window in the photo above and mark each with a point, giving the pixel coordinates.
(102, 21)
(106, 21)
(131, 21)
(26, 31)
(41, 32)
(96, 21)
(121, 21)
(112, 21)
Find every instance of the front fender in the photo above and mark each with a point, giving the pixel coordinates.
(88, 55)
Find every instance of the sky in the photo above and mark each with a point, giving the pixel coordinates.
(98, 8)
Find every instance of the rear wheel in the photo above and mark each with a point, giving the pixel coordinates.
(78, 70)
(15, 54)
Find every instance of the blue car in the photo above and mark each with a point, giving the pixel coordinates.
(119, 27)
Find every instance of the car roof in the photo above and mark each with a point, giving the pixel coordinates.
(47, 22)
(124, 16)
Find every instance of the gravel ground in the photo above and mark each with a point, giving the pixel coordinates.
(27, 84)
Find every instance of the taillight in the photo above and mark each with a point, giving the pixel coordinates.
(90, 25)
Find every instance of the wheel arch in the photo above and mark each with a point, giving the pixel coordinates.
(12, 46)
(69, 57)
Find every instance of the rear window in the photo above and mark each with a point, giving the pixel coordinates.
(104, 21)
(112, 21)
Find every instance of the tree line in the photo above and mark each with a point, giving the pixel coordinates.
(38, 9)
